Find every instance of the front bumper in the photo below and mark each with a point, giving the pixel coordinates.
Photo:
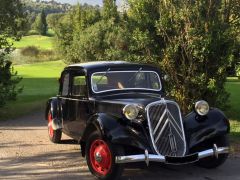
(215, 151)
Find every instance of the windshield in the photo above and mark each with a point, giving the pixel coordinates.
(125, 80)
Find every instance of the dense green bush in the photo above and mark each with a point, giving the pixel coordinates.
(32, 32)
(30, 51)
(198, 42)
(32, 54)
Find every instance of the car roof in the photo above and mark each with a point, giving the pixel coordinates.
(95, 65)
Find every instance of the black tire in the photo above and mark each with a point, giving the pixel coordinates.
(213, 162)
(115, 171)
(54, 135)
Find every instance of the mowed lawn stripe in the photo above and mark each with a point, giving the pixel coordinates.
(42, 42)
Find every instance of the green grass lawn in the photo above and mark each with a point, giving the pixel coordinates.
(40, 81)
(233, 87)
(43, 42)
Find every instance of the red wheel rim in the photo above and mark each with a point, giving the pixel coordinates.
(50, 128)
(100, 157)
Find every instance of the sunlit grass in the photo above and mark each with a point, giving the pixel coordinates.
(233, 87)
(233, 113)
(42, 42)
(40, 81)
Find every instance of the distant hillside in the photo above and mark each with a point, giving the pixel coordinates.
(48, 6)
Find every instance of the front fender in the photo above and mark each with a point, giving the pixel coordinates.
(55, 110)
(202, 128)
(117, 131)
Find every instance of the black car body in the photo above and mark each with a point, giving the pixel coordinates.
(132, 121)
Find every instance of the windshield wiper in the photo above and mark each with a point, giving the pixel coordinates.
(135, 74)
(103, 75)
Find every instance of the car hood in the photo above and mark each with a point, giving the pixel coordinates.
(142, 99)
(114, 104)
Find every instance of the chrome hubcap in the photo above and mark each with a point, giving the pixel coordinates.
(98, 157)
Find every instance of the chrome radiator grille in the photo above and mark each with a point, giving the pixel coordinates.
(166, 128)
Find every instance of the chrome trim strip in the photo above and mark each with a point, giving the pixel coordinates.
(159, 158)
(160, 133)
(176, 124)
(151, 130)
(139, 158)
(156, 90)
(73, 99)
(213, 152)
(177, 131)
(160, 120)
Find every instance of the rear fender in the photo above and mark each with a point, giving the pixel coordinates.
(53, 106)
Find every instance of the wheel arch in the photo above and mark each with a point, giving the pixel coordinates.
(94, 124)
(115, 130)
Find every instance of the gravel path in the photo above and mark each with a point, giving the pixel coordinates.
(26, 153)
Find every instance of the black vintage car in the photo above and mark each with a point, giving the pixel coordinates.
(118, 113)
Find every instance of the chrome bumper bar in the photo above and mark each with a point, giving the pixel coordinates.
(171, 160)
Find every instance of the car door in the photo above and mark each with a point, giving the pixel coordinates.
(64, 93)
(78, 102)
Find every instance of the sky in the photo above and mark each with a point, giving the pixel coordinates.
(92, 2)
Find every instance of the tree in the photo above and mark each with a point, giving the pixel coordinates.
(70, 30)
(88, 36)
(101, 41)
(53, 20)
(145, 43)
(110, 10)
(11, 22)
(40, 24)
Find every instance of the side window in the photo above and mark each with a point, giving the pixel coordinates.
(100, 82)
(79, 87)
(65, 85)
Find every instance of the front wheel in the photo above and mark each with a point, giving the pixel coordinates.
(213, 162)
(54, 135)
(100, 155)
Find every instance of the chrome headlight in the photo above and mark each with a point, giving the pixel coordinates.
(202, 107)
(131, 111)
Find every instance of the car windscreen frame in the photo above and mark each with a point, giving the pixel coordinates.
(126, 89)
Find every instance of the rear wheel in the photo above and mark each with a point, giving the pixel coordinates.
(100, 155)
(54, 135)
(214, 162)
